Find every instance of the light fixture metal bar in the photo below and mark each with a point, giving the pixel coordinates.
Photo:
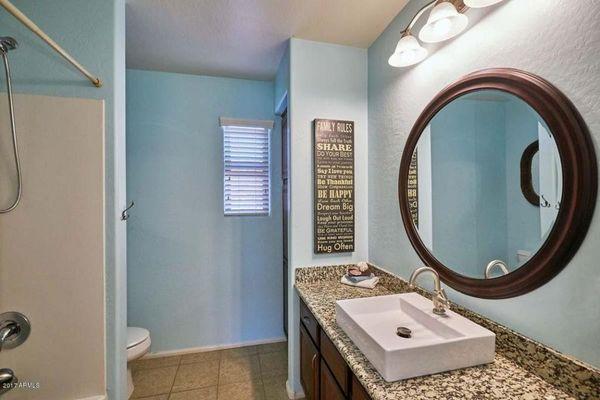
(414, 19)
(459, 4)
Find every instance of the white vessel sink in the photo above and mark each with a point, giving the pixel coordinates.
(437, 343)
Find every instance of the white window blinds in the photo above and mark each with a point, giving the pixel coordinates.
(246, 167)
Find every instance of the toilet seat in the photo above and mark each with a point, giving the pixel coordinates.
(138, 342)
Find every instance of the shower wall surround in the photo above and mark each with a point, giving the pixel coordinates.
(563, 313)
(94, 33)
(52, 246)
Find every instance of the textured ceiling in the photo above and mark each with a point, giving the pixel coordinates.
(244, 38)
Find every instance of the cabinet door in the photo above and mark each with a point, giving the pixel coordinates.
(310, 322)
(329, 387)
(335, 362)
(309, 366)
(358, 392)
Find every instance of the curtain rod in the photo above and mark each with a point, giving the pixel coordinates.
(38, 31)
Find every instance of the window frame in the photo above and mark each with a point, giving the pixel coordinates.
(267, 125)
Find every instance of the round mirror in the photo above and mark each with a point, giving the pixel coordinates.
(498, 183)
(465, 194)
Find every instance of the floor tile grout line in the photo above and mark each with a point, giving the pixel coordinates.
(260, 375)
(186, 390)
(259, 365)
(175, 377)
(219, 375)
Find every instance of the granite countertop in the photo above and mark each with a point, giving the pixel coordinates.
(503, 379)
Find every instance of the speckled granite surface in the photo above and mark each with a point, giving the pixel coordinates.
(522, 368)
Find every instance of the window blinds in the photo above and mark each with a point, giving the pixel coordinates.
(247, 165)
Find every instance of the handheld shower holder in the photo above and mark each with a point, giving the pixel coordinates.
(7, 43)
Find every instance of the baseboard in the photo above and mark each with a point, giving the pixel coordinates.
(189, 350)
(103, 397)
(292, 395)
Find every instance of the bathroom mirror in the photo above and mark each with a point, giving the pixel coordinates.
(498, 183)
(466, 199)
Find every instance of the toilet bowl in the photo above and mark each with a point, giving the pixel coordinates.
(138, 344)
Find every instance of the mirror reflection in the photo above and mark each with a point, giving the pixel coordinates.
(466, 184)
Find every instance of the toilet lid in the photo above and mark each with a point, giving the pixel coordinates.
(136, 336)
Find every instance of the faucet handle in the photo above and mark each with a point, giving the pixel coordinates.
(14, 329)
(8, 331)
(439, 298)
(440, 302)
(443, 296)
(8, 380)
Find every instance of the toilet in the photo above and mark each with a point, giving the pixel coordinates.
(138, 344)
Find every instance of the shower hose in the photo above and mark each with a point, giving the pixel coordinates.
(5, 45)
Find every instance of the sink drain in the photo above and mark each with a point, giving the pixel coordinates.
(404, 332)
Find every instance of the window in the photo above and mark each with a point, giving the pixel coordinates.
(246, 167)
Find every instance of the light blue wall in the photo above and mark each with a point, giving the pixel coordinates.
(476, 148)
(468, 172)
(326, 81)
(564, 313)
(94, 33)
(217, 279)
(334, 87)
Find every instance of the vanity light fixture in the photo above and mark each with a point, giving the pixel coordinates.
(408, 52)
(446, 20)
(444, 23)
(480, 3)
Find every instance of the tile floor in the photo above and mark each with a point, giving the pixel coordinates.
(245, 373)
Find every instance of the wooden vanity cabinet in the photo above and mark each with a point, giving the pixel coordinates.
(310, 323)
(337, 366)
(358, 392)
(324, 373)
(329, 388)
(309, 365)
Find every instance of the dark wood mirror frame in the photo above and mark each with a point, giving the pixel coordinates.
(580, 180)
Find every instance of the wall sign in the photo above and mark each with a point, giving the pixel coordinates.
(333, 168)
(412, 188)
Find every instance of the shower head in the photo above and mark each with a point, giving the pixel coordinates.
(7, 43)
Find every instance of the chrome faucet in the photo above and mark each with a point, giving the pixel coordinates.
(440, 300)
(496, 263)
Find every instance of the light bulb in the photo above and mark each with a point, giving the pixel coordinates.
(442, 27)
(443, 23)
(408, 52)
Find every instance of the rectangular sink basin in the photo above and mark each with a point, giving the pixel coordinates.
(437, 343)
